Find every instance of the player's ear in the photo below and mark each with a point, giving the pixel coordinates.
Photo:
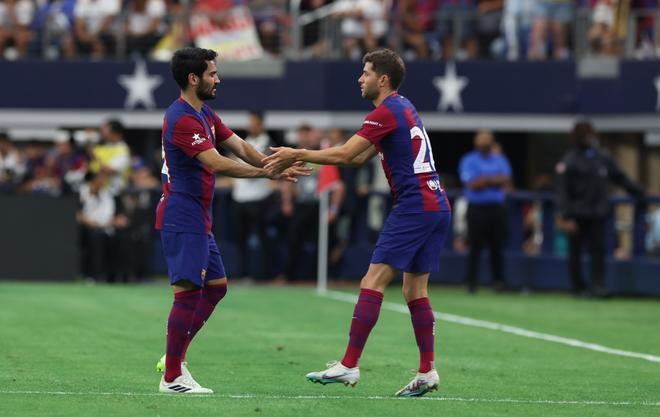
(192, 79)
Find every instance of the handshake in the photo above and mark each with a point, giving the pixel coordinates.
(282, 165)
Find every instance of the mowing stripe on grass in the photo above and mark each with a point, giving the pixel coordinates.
(337, 397)
(467, 321)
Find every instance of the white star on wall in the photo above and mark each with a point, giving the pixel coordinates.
(140, 86)
(450, 87)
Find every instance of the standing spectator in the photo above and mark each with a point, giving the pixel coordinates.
(363, 26)
(112, 156)
(96, 217)
(252, 205)
(583, 177)
(485, 174)
(144, 25)
(15, 20)
(133, 223)
(92, 32)
(12, 166)
(300, 203)
(554, 16)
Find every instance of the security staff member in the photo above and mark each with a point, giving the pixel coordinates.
(583, 177)
(485, 174)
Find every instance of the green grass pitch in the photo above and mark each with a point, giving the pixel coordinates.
(78, 350)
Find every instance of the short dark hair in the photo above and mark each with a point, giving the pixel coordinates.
(115, 126)
(190, 60)
(387, 62)
(582, 129)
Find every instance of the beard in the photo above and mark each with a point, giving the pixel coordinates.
(368, 93)
(205, 92)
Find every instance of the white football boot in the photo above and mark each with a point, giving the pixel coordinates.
(336, 373)
(160, 367)
(420, 385)
(182, 385)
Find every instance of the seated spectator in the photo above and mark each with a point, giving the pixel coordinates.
(92, 33)
(456, 27)
(554, 16)
(53, 20)
(313, 40)
(144, 25)
(15, 20)
(12, 166)
(363, 26)
(602, 38)
(517, 26)
(489, 18)
(271, 20)
(416, 22)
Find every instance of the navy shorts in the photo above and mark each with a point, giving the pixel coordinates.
(412, 242)
(192, 257)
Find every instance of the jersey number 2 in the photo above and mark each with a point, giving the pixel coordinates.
(420, 166)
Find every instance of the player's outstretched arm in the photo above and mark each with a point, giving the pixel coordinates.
(339, 155)
(243, 150)
(364, 157)
(218, 163)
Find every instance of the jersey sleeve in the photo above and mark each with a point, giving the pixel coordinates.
(222, 132)
(190, 137)
(378, 124)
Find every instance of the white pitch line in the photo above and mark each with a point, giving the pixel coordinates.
(518, 331)
(337, 397)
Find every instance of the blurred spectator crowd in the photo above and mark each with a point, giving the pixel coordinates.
(271, 222)
(419, 29)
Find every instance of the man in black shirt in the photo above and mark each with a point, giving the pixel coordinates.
(583, 177)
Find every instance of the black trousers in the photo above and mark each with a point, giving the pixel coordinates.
(252, 217)
(303, 228)
(591, 231)
(486, 228)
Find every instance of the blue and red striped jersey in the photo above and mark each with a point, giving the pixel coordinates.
(188, 185)
(397, 132)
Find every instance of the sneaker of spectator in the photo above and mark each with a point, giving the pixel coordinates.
(93, 31)
(15, 20)
(144, 25)
(363, 25)
(551, 16)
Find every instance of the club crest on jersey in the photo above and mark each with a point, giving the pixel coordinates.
(197, 139)
(434, 185)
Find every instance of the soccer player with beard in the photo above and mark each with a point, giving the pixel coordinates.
(191, 132)
(412, 236)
